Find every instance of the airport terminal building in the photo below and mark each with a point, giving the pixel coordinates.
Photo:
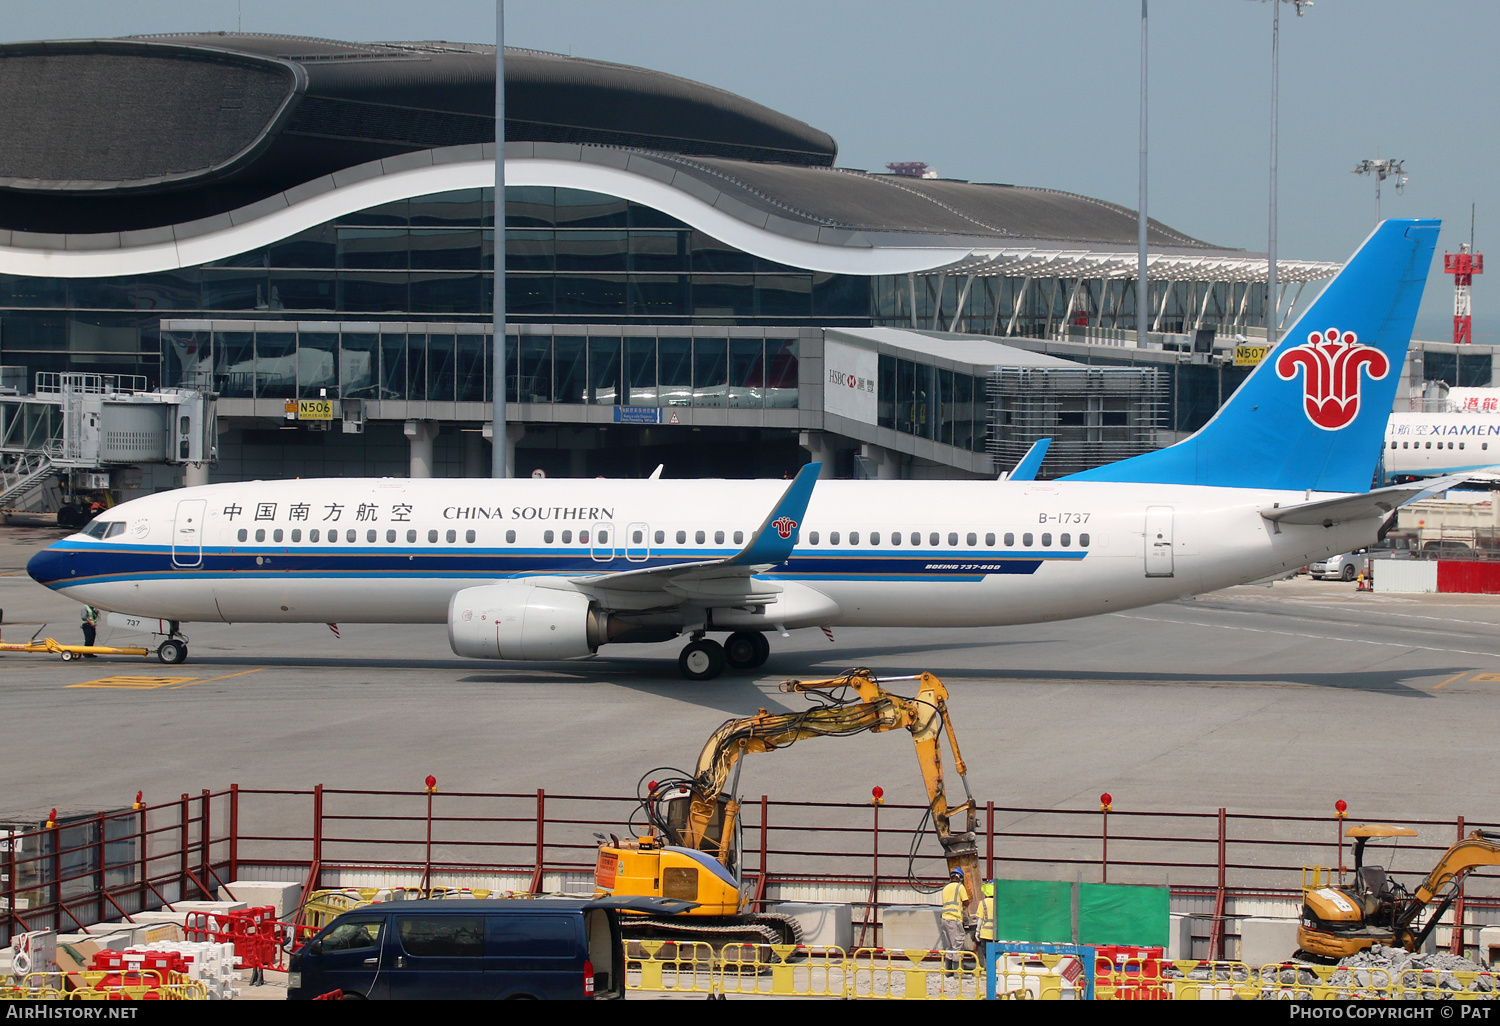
(690, 280)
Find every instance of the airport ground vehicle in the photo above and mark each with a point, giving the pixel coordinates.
(691, 846)
(506, 948)
(1340, 921)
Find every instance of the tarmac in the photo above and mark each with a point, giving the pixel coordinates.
(1274, 699)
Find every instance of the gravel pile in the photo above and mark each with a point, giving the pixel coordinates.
(1380, 966)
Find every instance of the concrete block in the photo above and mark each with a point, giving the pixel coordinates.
(911, 927)
(823, 926)
(1489, 944)
(283, 895)
(1265, 940)
(208, 906)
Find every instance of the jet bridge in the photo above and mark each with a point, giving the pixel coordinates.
(76, 430)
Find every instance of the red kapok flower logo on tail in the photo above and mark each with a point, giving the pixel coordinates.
(1330, 362)
(784, 526)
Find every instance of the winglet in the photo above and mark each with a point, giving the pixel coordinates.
(777, 535)
(1031, 462)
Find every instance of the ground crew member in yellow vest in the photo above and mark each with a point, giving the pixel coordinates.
(986, 933)
(955, 919)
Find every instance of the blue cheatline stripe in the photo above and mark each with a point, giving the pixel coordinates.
(138, 563)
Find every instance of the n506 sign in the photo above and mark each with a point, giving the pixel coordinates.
(309, 409)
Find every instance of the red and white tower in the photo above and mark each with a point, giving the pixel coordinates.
(1463, 265)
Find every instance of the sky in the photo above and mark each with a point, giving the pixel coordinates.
(1032, 93)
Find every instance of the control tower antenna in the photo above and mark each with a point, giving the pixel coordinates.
(1463, 265)
(1383, 168)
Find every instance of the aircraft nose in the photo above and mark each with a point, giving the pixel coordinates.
(50, 566)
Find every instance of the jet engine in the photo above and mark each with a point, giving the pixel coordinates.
(518, 620)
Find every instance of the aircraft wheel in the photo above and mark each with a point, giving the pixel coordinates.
(745, 650)
(701, 660)
(172, 652)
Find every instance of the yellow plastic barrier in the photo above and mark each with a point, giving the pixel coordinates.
(915, 975)
(662, 966)
(784, 970)
(1036, 976)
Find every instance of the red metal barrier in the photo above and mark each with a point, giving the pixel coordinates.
(254, 933)
(1465, 576)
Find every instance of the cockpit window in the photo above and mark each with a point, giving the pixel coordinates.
(115, 529)
(104, 528)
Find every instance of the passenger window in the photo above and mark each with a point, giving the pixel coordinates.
(895, 537)
(546, 537)
(353, 935)
(1393, 445)
(1429, 445)
(442, 936)
(244, 535)
(276, 535)
(1460, 445)
(1083, 541)
(351, 535)
(661, 536)
(932, 539)
(469, 537)
(411, 536)
(1405, 445)
(637, 536)
(874, 537)
(681, 537)
(1066, 540)
(567, 537)
(833, 537)
(718, 537)
(1026, 539)
(510, 537)
(989, 541)
(296, 534)
(916, 539)
(1010, 540)
(583, 537)
(390, 535)
(812, 539)
(370, 535)
(453, 537)
(739, 537)
(1047, 538)
(952, 539)
(313, 535)
(853, 537)
(603, 538)
(260, 534)
(698, 537)
(973, 539)
(432, 536)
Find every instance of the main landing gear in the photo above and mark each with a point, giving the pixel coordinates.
(704, 659)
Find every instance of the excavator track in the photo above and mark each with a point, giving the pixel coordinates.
(766, 928)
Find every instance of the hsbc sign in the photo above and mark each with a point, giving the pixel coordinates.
(850, 382)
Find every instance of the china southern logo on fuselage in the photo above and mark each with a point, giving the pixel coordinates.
(1330, 362)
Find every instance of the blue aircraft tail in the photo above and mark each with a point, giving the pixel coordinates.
(1313, 414)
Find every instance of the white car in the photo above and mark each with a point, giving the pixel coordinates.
(1344, 567)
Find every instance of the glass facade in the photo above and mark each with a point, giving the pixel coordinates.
(588, 365)
(932, 402)
(572, 257)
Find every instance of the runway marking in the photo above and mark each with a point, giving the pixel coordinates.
(190, 681)
(133, 683)
(1312, 637)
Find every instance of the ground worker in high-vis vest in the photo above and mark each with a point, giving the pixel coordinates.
(986, 933)
(955, 918)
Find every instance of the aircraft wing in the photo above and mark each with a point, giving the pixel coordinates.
(1366, 505)
(769, 546)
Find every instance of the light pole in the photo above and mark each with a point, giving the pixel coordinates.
(499, 440)
(1273, 306)
(1142, 285)
(1382, 168)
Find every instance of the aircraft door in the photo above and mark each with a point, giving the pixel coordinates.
(1158, 541)
(602, 543)
(187, 533)
(638, 542)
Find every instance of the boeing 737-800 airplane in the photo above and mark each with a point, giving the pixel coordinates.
(553, 569)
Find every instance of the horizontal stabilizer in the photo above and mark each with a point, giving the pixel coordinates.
(1361, 506)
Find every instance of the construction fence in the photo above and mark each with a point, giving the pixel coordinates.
(1220, 866)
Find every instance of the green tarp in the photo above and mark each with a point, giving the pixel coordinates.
(1042, 912)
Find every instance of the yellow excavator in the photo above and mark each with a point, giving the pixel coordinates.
(1340, 921)
(690, 847)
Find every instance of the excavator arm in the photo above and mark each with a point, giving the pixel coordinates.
(874, 709)
(1478, 849)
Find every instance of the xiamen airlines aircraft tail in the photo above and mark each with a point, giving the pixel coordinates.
(556, 568)
(1313, 414)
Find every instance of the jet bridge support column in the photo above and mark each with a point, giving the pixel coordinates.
(195, 474)
(820, 445)
(420, 434)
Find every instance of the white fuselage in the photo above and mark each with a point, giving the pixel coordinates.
(1432, 444)
(969, 554)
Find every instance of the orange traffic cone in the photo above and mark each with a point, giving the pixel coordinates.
(1364, 585)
